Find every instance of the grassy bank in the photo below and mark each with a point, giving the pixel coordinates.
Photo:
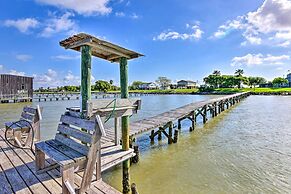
(196, 91)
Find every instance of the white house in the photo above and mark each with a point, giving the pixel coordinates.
(148, 86)
(186, 84)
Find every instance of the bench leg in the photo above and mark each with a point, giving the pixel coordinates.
(39, 159)
(68, 180)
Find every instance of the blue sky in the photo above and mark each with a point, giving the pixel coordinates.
(181, 39)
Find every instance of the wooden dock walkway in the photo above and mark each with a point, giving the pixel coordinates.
(18, 173)
(206, 109)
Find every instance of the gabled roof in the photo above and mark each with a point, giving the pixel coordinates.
(100, 48)
(190, 81)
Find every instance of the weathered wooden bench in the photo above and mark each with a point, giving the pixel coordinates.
(20, 130)
(75, 147)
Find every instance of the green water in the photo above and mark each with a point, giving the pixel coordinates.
(246, 149)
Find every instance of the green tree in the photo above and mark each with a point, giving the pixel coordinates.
(213, 80)
(163, 82)
(111, 82)
(239, 72)
(216, 72)
(279, 81)
(102, 86)
(135, 85)
(253, 81)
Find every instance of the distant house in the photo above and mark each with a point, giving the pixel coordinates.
(186, 84)
(289, 79)
(148, 86)
(266, 85)
(18, 88)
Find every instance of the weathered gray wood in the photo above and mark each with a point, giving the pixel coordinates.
(57, 156)
(96, 106)
(92, 157)
(17, 184)
(27, 116)
(76, 133)
(30, 110)
(83, 149)
(68, 179)
(81, 123)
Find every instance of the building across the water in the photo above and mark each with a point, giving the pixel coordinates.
(148, 86)
(289, 79)
(186, 84)
(14, 88)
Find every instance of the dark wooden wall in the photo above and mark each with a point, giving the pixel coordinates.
(15, 86)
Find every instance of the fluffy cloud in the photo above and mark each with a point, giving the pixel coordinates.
(120, 14)
(195, 34)
(65, 57)
(23, 25)
(1, 67)
(53, 79)
(59, 24)
(14, 72)
(88, 7)
(259, 59)
(23, 57)
(270, 22)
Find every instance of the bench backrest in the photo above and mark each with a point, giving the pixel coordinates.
(93, 106)
(79, 134)
(29, 114)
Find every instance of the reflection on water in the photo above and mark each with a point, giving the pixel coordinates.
(52, 110)
(244, 150)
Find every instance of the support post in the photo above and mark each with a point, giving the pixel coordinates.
(170, 140)
(125, 125)
(85, 76)
(193, 121)
(176, 136)
(179, 124)
(160, 134)
(152, 136)
(204, 114)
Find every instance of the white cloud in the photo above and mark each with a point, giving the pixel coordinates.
(87, 7)
(1, 67)
(270, 23)
(259, 59)
(71, 79)
(23, 57)
(23, 25)
(14, 72)
(195, 34)
(53, 79)
(59, 24)
(65, 57)
(120, 14)
(134, 16)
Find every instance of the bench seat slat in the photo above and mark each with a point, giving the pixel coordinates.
(73, 154)
(83, 149)
(78, 134)
(57, 156)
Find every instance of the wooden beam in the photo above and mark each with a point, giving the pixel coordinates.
(79, 43)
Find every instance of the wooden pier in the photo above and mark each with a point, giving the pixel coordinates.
(206, 109)
(17, 166)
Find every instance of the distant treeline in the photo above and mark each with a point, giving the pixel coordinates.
(100, 85)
